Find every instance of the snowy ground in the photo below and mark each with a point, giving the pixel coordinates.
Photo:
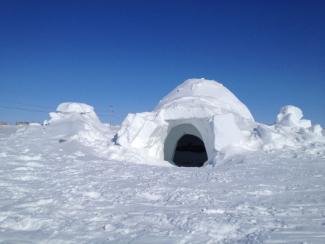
(63, 193)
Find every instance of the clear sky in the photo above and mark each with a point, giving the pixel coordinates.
(129, 54)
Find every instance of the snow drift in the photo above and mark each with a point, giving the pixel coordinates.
(200, 122)
(220, 122)
(79, 122)
(55, 188)
(290, 130)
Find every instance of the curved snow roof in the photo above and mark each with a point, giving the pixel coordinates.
(74, 108)
(201, 98)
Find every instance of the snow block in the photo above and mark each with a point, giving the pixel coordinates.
(226, 132)
(142, 131)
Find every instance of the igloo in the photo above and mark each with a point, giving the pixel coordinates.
(193, 124)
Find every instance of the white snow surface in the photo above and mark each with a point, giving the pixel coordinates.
(221, 121)
(78, 121)
(290, 130)
(204, 98)
(70, 181)
(68, 192)
(292, 116)
(74, 108)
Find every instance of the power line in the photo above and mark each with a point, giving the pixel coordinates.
(23, 104)
(36, 110)
(23, 109)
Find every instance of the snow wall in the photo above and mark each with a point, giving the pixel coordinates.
(209, 111)
(201, 108)
(198, 107)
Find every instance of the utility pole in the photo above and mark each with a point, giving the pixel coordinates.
(110, 114)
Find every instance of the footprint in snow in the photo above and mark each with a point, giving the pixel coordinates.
(34, 164)
(150, 196)
(92, 194)
(30, 157)
(261, 193)
(213, 211)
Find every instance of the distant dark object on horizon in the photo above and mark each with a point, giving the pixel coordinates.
(22, 123)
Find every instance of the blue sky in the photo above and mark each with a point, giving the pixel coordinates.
(129, 54)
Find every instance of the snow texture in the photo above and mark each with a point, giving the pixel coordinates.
(292, 116)
(290, 130)
(74, 108)
(78, 121)
(205, 98)
(54, 192)
(77, 180)
(221, 120)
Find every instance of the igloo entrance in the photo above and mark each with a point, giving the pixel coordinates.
(190, 152)
(184, 147)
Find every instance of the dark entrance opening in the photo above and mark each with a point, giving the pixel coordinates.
(190, 152)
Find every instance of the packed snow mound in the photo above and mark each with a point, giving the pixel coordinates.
(72, 128)
(78, 122)
(291, 130)
(66, 111)
(292, 116)
(201, 98)
(74, 108)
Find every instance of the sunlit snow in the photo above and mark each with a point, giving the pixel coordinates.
(77, 180)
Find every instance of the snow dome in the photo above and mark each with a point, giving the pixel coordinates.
(194, 123)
